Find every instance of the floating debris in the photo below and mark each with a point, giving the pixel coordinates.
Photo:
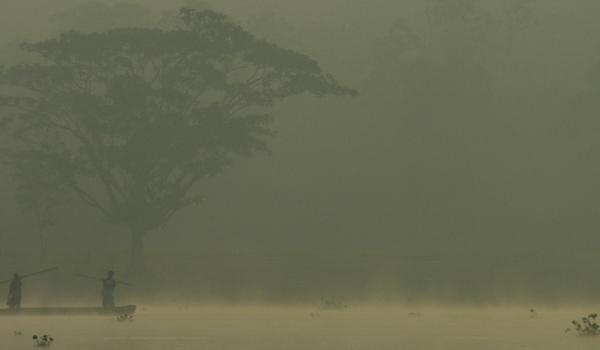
(314, 315)
(414, 314)
(125, 318)
(588, 325)
(43, 342)
(330, 304)
(17, 333)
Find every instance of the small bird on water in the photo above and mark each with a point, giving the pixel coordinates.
(532, 313)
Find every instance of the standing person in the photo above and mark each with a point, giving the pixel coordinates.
(14, 292)
(108, 288)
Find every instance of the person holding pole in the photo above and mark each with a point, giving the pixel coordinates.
(15, 288)
(14, 292)
(109, 283)
(108, 289)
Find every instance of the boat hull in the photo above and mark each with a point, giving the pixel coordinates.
(69, 311)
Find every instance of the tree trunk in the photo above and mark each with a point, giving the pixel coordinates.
(43, 247)
(136, 263)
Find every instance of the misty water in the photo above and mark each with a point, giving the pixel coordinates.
(270, 328)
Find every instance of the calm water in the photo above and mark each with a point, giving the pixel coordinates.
(268, 328)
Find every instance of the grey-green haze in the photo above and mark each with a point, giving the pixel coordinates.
(467, 166)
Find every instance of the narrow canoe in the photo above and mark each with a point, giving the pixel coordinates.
(68, 311)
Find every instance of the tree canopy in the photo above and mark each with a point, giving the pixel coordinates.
(133, 118)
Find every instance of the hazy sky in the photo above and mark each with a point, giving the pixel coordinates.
(516, 174)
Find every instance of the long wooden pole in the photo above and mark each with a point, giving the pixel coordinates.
(32, 274)
(99, 279)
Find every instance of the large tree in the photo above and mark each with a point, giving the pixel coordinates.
(39, 191)
(133, 118)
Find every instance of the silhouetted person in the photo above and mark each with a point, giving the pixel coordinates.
(108, 289)
(14, 292)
